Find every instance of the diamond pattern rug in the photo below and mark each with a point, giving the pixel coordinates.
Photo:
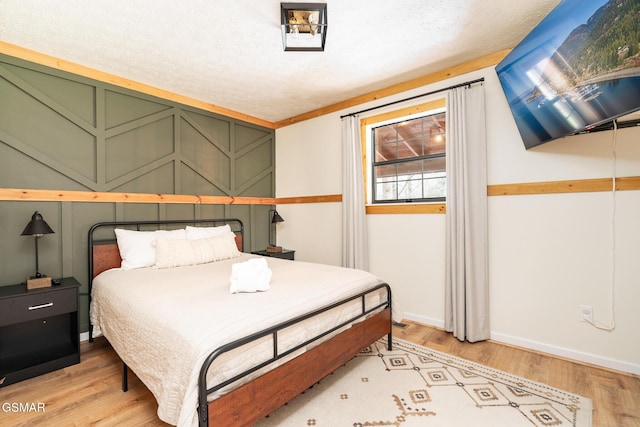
(416, 386)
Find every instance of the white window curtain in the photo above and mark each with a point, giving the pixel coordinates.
(466, 274)
(355, 251)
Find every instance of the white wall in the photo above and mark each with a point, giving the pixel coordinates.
(548, 254)
(308, 163)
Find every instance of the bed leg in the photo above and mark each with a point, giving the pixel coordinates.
(203, 415)
(389, 342)
(125, 377)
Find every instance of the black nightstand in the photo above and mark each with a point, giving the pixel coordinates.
(38, 330)
(285, 254)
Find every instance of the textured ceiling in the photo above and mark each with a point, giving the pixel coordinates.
(229, 52)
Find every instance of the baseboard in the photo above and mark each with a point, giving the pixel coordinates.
(574, 355)
(84, 336)
(438, 323)
(592, 359)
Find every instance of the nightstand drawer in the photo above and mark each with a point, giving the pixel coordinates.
(38, 330)
(38, 305)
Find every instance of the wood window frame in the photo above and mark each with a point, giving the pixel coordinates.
(402, 208)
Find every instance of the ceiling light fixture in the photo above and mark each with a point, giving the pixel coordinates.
(304, 26)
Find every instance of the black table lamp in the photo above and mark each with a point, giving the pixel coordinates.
(37, 227)
(274, 220)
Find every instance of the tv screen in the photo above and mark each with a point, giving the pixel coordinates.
(577, 70)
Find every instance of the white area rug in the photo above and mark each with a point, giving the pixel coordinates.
(416, 386)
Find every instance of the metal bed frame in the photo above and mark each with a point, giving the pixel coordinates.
(92, 242)
(252, 401)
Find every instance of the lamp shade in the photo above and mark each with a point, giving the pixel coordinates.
(276, 218)
(37, 226)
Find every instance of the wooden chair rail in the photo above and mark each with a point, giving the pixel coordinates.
(525, 188)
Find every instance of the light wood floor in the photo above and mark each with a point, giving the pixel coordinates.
(89, 393)
(615, 396)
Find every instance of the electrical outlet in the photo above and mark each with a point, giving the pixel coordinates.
(586, 313)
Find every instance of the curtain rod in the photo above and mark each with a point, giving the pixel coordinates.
(469, 83)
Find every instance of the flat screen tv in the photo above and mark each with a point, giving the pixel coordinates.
(577, 71)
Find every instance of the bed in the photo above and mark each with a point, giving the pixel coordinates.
(212, 357)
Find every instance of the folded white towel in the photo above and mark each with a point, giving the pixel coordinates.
(250, 276)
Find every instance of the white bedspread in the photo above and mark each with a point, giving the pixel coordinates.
(164, 322)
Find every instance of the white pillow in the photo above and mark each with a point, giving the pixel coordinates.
(137, 249)
(182, 252)
(205, 232)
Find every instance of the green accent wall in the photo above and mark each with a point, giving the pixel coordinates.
(60, 131)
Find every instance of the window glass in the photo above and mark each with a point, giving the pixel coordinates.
(409, 160)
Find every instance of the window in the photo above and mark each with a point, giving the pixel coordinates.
(408, 160)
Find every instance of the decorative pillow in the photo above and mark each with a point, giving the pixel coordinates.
(137, 249)
(194, 233)
(179, 253)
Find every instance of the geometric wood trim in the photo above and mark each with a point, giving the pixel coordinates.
(48, 101)
(46, 159)
(61, 64)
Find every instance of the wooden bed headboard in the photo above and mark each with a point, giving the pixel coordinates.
(104, 254)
